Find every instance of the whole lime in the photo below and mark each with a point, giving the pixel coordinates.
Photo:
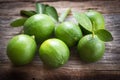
(91, 48)
(54, 53)
(39, 25)
(21, 49)
(68, 32)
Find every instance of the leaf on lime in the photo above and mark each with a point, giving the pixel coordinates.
(64, 15)
(83, 20)
(51, 11)
(46, 9)
(96, 18)
(18, 22)
(104, 35)
(41, 8)
(27, 13)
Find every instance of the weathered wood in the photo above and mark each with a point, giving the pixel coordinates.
(49, 0)
(12, 9)
(108, 68)
(38, 72)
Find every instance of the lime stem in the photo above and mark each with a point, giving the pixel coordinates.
(93, 34)
(64, 15)
(93, 27)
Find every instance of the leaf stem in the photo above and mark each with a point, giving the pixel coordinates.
(93, 27)
(93, 34)
(64, 15)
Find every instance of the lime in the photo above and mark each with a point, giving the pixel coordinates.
(68, 32)
(54, 53)
(39, 25)
(91, 48)
(21, 49)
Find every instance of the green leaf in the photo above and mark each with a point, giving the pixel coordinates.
(104, 35)
(83, 20)
(40, 8)
(51, 11)
(64, 15)
(18, 22)
(46, 9)
(27, 13)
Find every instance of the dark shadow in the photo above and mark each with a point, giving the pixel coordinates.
(91, 76)
(13, 75)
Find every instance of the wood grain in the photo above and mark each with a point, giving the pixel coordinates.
(49, 0)
(108, 68)
(13, 8)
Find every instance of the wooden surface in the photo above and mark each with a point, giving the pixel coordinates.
(108, 68)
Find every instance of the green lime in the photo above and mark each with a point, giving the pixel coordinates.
(91, 48)
(54, 53)
(21, 49)
(68, 32)
(39, 25)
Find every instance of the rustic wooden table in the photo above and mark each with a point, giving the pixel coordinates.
(108, 68)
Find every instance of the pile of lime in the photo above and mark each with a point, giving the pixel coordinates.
(55, 36)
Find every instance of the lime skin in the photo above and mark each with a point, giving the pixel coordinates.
(68, 32)
(39, 25)
(54, 53)
(21, 49)
(90, 48)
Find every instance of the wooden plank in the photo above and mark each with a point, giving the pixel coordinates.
(36, 72)
(48, 0)
(102, 6)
